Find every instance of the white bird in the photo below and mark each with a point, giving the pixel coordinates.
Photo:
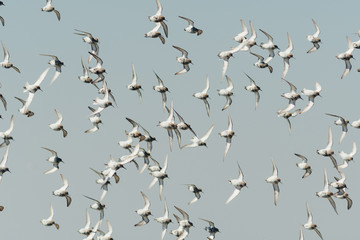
(164, 220)
(93, 231)
(107, 236)
(159, 176)
(211, 229)
(144, 212)
(85, 77)
(184, 60)
(327, 151)
(95, 120)
(292, 96)
(54, 159)
(309, 225)
(226, 55)
(341, 122)
(169, 125)
(98, 69)
(347, 157)
(147, 138)
(98, 205)
(227, 92)
(159, 18)
(341, 194)
(49, 221)
(6, 63)
(247, 44)
(255, 89)
(185, 222)
(135, 130)
(133, 86)
(238, 184)
(90, 39)
(102, 103)
(3, 168)
(182, 125)
(36, 86)
(274, 180)
(196, 190)
(55, 62)
(86, 230)
(261, 63)
(355, 124)
(287, 115)
(287, 55)
(346, 56)
(340, 182)
(62, 192)
(196, 141)
(6, 135)
(57, 126)
(270, 46)
(161, 89)
(326, 193)
(204, 96)
(50, 8)
(25, 105)
(191, 28)
(314, 39)
(228, 134)
(155, 34)
(311, 94)
(304, 165)
(242, 35)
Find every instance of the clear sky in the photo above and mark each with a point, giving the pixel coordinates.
(120, 26)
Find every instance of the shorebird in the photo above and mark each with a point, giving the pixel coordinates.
(184, 60)
(159, 18)
(182, 125)
(36, 86)
(211, 229)
(274, 180)
(86, 230)
(6, 63)
(144, 212)
(204, 96)
(50, 8)
(196, 190)
(169, 125)
(133, 86)
(61, 192)
(341, 122)
(49, 221)
(98, 205)
(185, 222)
(311, 94)
(164, 220)
(54, 159)
(287, 115)
(326, 193)
(227, 92)
(93, 231)
(134, 133)
(340, 182)
(341, 194)
(261, 63)
(191, 28)
(159, 176)
(292, 96)
(196, 141)
(247, 44)
(147, 138)
(107, 236)
(85, 77)
(347, 157)
(25, 105)
(105, 89)
(238, 184)
(287, 55)
(228, 134)
(255, 89)
(57, 126)
(304, 165)
(98, 69)
(242, 35)
(6, 135)
(155, 34)
(3, 168)
(95, 120)
(270, 46)
(102, 103)
(55, 62)
(346, 56)
(327, 151)
(314, 39)
(161, 89)
(309, 225)
(90, 39)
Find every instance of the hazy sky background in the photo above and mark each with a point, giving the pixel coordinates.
(26, 192)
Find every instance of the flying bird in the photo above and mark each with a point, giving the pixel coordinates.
(287, 55)
(347, 157)
(274, 180)
(341, 122)
(62, 192)
(191, 28)
(164, 220)
(255, 89)
(327, 151)
(36, 86)
(238, 184)
(133, 86)
(242, 35)
(228, 134)
(196, 141)
(261, 63)
(3, 168)
(314, 39)
(159, 18)
(184, 60)
(304, 165)
(90, 39)
(49, 221)
(196, 190)
(54, 159)
(326, 193)
(155, 34)
(270, 46)
(204, 96)
(161, 89)
(309, 225)
(144, 212)
(57, 126)
(346, 56)
(25, 105)
(227, 92)
(6, 63)
(50, 8)
(311, 94)
(55, 62)
(6, 135)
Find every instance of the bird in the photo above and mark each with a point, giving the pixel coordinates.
(85, 77)
(57, 126)
(62, 192)
(242, 35)
(247, 44)
(105, 89)
(36, 86)
(49, 221)
(54, 159)
(204, 96)
(102, 103)
(50, 8)
(355, 124)
(25, 105)
(228, 134)
(3, 168)
(6, 135)
(90, 39)
(196, 141)
(98, 69)
(270, 46)
(191, 28)
(164, 220)
(287, 55)
(292, 96)
(196, 190)
(326, 193)
(238, 184)
(346, 56)
(127, 143)
(185, 222)
(144, 212)
(169, 125)
(155, 34)
(6, 63)
(343, 123)
(98, 205)
(274, 180)
(227, 92)
(133, 86)
(327, 151)
(311, 94)
(287, 115)
(95, 120)
(211, 229)
(303, 165)
(184, 60)
(93, 231)
(340, 182)
(341, 194)
(159, 176)
(182, 125)
(261, 63)
(314, 39)
(86, 230)
(309, 225)
(55, 62)
(255, 89)
(347, 157)
(107, 236)
(134, 133)
(159, 18)
(161, 89)
(147, 138)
